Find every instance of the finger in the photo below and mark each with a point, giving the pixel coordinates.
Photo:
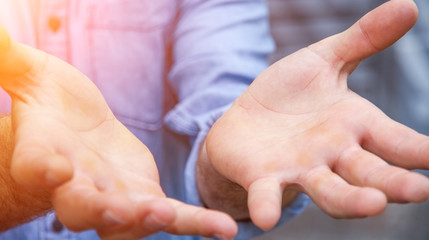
(16, 62)
(38, 168)
(152, 216)
(373, 33)
(80, 206)
(362, 168)
(397, 144)
(340, 199)
(160, 216)
(15, 59)
(193, 220)
(265, 202)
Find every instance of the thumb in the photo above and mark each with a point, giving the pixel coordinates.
(32, 164)
(19, 64)
(15, 58)
(373, 33)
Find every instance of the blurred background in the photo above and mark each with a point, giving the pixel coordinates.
(396, 80)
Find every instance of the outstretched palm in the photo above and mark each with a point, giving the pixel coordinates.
(67, 139)
(299, 127)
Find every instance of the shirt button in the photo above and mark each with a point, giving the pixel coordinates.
(54, 24)
(57, 226)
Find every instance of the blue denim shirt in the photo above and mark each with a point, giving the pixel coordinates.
(167, 68)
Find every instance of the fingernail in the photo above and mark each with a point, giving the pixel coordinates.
(153, 222)
(111, 218)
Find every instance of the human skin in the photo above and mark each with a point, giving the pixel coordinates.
(17, 203)
(298, 128)
(68, 145)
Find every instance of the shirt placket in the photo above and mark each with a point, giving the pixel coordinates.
(53, 30)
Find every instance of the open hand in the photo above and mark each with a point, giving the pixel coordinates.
(68, 141)
(298, 127)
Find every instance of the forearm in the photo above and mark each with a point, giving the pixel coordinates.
(219, 193)
(17, 205)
